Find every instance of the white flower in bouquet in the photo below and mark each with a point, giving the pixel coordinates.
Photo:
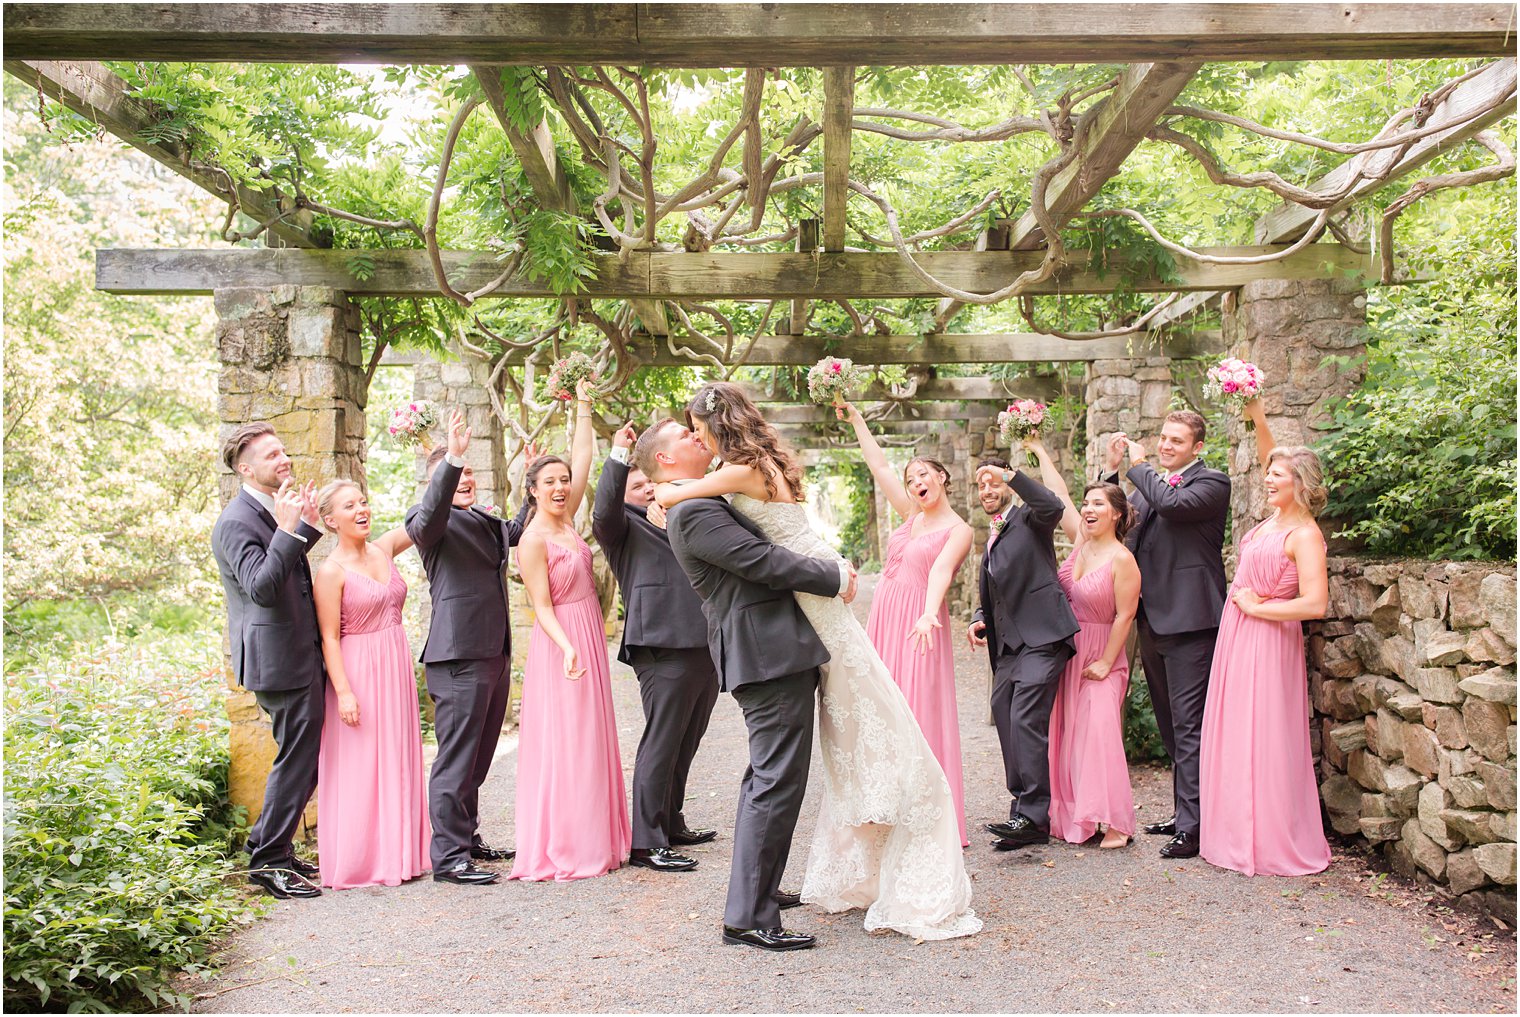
(1022, 419)
(1234, 381)
(832, 378)
(410, 424)
(566, 373)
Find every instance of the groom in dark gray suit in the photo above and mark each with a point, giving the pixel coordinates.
(767, 656)
(261, 541)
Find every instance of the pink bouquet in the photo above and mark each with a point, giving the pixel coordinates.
(1022, 419)
(566, 373)
(411, 423)
(831, 379)
(1234, 381)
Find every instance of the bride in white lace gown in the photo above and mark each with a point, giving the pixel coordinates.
(887, 837)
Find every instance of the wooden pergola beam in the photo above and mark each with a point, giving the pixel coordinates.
(1044, 387)
(94, 92)
(920, 410)
(1119, 123)
(938, 348)
(680, 275)
(838, 112)
(754, 35)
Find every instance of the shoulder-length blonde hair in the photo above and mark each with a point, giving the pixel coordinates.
(329, 494)
(1308, 476)
(744, 436)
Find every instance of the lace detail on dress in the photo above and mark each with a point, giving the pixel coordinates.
(888, 837)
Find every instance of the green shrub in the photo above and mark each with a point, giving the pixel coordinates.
(117, 825)
(1142, 738)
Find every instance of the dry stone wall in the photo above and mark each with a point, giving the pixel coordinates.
(1412, 684)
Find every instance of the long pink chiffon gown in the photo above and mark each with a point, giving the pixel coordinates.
(927, 680)
(372, 820)
(1089, 776)
(1259, 803)
(572, 816)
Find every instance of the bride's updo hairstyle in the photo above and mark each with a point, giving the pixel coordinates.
(743, 436)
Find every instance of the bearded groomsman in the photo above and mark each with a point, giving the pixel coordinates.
(1178, 542)
(665, 641)
(1027, 624)
(260, 542)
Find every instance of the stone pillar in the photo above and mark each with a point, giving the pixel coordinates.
(290, 356)
(1130, 395)
(1288, 329)
(463, 384)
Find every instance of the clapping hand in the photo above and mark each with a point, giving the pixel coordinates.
(922, 632)
(459, 434)
(288, 505)
(309, 513)
(1135, 450)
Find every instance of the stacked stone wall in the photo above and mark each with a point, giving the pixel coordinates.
(1412, 686)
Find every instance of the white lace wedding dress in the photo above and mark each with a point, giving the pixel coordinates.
(887, 838)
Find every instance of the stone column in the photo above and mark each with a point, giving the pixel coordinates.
(453, 383)
(291, 356)
(1289, 329)
(1129, 395)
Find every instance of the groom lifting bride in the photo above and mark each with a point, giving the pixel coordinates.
(776, 599)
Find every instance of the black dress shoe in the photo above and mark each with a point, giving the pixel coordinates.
(1184, 845)
(481, 851)
(302, 867)
(661, 859)
(687, 837)
(283, 883)
(786, 900)
(1166, 828)
(466, 874)
(1016, 833)
(767, 939)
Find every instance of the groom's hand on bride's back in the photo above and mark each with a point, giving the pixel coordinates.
(848, 593)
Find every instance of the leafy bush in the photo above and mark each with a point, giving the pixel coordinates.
(1142, 738)
(117, 825)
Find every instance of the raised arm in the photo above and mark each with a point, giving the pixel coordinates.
(708, 532)
(735, 478)
(1199, 499)
(581, 447)
(1264, 442)
(609, 522)
(262, 569)
(1044, 507)
(428, 520)
(1052, 479)
(393, 542)
(327, 590)
(890, 484)
(533, 560)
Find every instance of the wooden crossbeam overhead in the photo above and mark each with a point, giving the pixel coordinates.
(1044, 387)
(680, 275)
(926, 411)
(838, 112)
(1119, 123)
(1288, 222)
(938, 348)
(92, 91)
(754, 35)
(796, 432)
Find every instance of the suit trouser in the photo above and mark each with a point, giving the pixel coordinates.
(678, 688)
(295, 717)
(779, 716)
(1025, 682)
(1177, 674)
(469, 704)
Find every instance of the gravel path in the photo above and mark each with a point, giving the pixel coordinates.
(1067, 928)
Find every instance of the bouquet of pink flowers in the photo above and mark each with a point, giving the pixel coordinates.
(411, 423)
(1234, 381)
(831, 379)
(1022, 419)
(566, 373)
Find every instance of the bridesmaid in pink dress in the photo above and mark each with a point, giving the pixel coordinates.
(1259, 801)
(371, 791)
(1089, 776)
(572, 815)
(923, 555)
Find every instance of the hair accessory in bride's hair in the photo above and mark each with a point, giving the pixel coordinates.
(712, 400)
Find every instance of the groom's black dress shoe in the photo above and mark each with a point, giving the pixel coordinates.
(767, 939)
(661, 859)
(687, 837)
(1016, 833)
(1166, 828)
(1184, 845)
(484, 852)
(303, 868)
(466, 874)
(786, 900)
(283, 883)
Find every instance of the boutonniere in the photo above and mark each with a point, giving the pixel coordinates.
(1175, 480)
(489, 510)
(997, 524)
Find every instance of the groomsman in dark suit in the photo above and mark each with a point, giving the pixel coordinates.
(1178, 542)
(1027, 624)
(260, 542)
(468, 653)
(665, 641)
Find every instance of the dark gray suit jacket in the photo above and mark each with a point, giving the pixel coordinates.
(660, 609)
(1178, 542)
(1022, 603)
(755, 630)
(272, 619)
(463, 551)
